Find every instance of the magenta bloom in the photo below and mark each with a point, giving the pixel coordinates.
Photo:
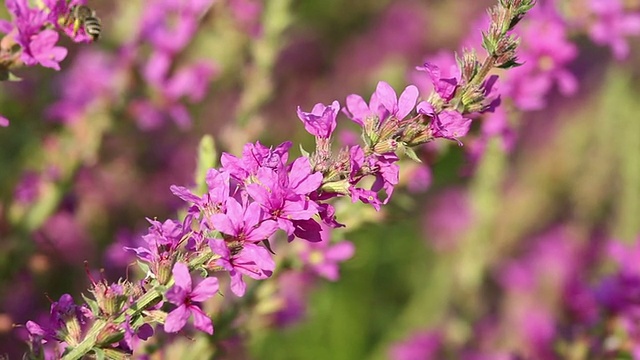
(4, 122)
(42, 50)
(321, 121)
(383, 104)
(448, 124)
(183, 295)
(244, 223)
(254, 157)
(284, 198)
(253, 261)
(445, 87)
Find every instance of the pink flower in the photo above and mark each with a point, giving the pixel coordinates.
(183, 295)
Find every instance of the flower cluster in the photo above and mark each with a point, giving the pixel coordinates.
(231, 226)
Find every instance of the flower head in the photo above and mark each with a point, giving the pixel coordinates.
(384, 103)
(321, 121)
(184, 295)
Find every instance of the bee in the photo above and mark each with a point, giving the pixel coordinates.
(82, 15)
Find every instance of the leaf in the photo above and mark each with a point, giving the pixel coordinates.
(99, 353)
(411, 154)
(6, 75)
(93, 305)
(304, 152)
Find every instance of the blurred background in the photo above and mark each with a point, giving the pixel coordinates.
(511, 244)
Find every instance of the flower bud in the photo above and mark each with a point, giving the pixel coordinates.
(385, 146)
(163, 273)
(115, 354)
(339, 187)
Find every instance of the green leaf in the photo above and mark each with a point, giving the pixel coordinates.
(304, 152)
(144, 267)
(6, 75)
(93, 305)
(99, 354)
(411, 154)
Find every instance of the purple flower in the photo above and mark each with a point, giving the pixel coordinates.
(285, 198)
(626, 256)
(4, 122)
(383, 104)
(445, 87)
(254, 157)
(42, 50)
(244, 223)
(183, 295)
(213, 202)
(612, 25)
(132, 336)
(445, 74)
(357, 161)
(448, 124)
(321, 121)
(162, 241)
(419, 178)
(252, 260)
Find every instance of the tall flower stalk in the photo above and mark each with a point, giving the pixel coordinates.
(227, 228)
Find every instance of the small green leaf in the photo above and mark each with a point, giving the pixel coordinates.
(411, 154)
(93, 305)
(145, 267)
(304, 152)
(6, 75)
(99, 353)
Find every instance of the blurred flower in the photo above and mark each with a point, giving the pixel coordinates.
(612, 24)
(545, 54)
(419, 178)
(423, 345)
(447, 218)
(323, 258)
(79, 91)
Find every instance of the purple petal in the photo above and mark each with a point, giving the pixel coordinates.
(4, 122)
(201, 321)
(262, 232)
(218, 246)
(184, 194)
(238, 286)
(176, 319)
(357, 108)
(260, 256)
(205, 289)
(407, 101)
(181, 276)
(176, 295)
(387, 97)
